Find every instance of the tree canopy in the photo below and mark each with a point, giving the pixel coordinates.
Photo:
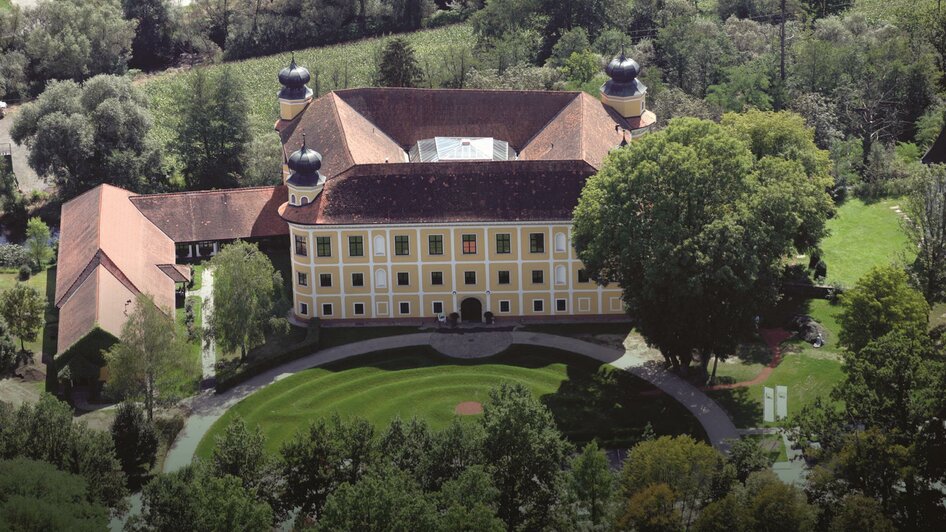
(97, 132)
(149, 362)
(36, 496)
(246, 290)
(693, 222)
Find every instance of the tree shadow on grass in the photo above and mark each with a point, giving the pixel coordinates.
(615, 407)
(595, 401)
(744, 410)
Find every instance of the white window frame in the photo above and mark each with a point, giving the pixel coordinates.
(381, 308)
(354, 309)
(508, 306)
(380, 278)
(379, 246)
(541, 303)
(400, 305)
(561, 243)
(433, 307)
(560, 300)
(304, 309)
(584, 304)
(331, 309)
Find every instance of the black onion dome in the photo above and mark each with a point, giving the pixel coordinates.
(623, 69)
(304, 165)
(293, 79)
(294, 76)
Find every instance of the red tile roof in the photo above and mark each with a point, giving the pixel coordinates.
(107, 250)
(445, 192)
(216, 214)
(561, 138)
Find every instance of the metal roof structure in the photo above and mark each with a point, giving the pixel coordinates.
(461, 149)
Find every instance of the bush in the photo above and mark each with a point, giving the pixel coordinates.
(25, 273)
(13, 256)
(168, 428)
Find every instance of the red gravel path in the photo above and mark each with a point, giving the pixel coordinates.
(469, 408)
(772, 338)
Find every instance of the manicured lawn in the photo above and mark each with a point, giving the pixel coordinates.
(864, 236)
(197, 271)
(194, 348)
(587, 398)
(808, 373)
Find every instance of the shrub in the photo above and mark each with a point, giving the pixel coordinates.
(13, 256)
(169, 427)
(25, 273)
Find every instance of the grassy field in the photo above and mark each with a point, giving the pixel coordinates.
(809, 373)
(45, 283)
(588, 399)
(864, 236)
(354, 60)
(5, 5)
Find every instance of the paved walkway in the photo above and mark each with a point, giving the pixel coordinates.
(208, 407)
(25, 175)
(208, 350)
(471, 344)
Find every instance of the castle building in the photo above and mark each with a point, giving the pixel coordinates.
(418, 203)
(396, 205)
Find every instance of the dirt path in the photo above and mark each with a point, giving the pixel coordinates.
(772, 338)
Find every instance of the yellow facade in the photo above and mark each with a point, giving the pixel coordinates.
(422, 271)
(628, 107)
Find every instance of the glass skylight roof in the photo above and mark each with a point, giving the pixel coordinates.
(461, 149)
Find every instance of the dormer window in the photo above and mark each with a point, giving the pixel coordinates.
(292, 199)
(305, 200)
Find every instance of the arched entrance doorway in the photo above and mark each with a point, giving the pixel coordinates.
(471, 310)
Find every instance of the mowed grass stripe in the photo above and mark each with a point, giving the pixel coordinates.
(405, 382)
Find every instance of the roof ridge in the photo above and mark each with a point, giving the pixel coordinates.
(553, 119)
(341, 125)
(426, 89)
(200, 192)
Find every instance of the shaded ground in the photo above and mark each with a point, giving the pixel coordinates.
(589, 399)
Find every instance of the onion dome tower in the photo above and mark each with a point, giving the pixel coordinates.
(626, 94)
(305, 181)
(294, 95)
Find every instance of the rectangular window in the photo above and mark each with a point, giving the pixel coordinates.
(469, 244)
(435, 244)
(503, 243)
(403, 278)
(326, 309)
(359, 309)
(560, 305)
(402, 245)
(537, 242)
(436, 278)
(504, 277)
(358, 279)
(303, 309)
(356, 246)
(538, 305)
(583, 276)
(323, 246)
(469, 277)
(301, 247)
(325, 279)
(302, 279)
(538, 276)
(504, 306)
(438, 307)
(404, 307)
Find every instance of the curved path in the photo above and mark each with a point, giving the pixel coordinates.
(209, 407)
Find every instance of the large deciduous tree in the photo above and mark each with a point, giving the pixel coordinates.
(84, 135)
(150, 360)
(926, 227)
(23, 308)
(527, 453)
(881, 302)
(212, 130)
(246, 289)
(36, 496)
(136, 439)
(693, 223)
(153, 45)
(37, 243)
